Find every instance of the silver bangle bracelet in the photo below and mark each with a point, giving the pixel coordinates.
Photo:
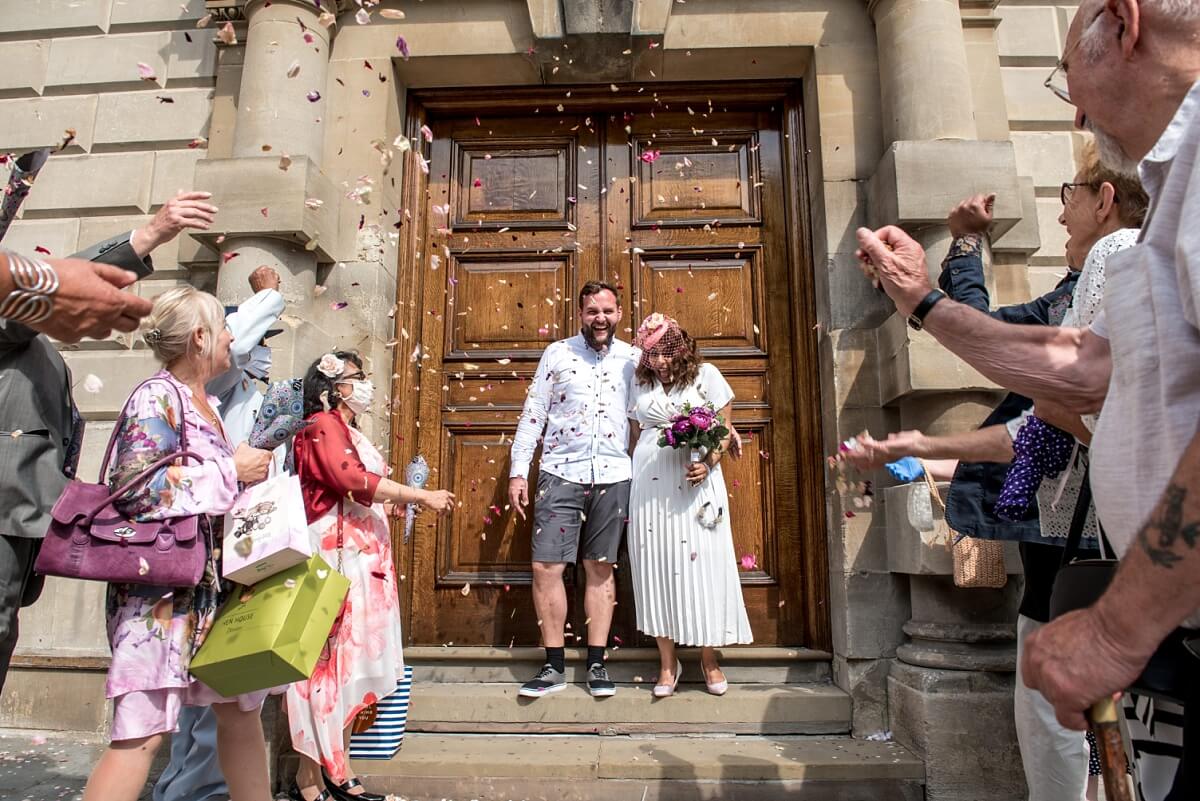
(32, 299)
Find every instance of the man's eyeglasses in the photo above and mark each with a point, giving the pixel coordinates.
(1057, 81)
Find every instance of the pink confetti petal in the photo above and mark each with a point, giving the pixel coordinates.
(427, 133)
(402, 46)
(749, 562)
(146, 72)
(651, 156)
(313, 96)
(227, 35)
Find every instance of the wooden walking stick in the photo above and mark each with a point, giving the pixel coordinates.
(1103, 719)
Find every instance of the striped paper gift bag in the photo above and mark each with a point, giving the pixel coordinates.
(383, 739)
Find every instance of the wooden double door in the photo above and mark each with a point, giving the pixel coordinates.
(686, 201)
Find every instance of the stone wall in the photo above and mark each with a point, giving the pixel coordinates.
(75, 65)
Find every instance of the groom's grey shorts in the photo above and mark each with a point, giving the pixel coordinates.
(563, 511)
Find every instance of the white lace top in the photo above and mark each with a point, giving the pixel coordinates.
(1085, 305)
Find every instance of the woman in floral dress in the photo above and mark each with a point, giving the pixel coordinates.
(342, 476)
(153, 631)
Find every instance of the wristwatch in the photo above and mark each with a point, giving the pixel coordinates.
(916, 320)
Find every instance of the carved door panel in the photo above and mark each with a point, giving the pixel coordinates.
(511, 229)
(702, 223)
(688, 214)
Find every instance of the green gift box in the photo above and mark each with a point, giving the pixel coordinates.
(272, 633)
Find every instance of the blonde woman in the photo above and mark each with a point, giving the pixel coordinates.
(153, 631)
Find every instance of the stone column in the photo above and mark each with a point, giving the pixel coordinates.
(277, 207)
(922, 56)
(276, 119)
(950, 692)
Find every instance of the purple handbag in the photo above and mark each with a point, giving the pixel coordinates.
(89, 539)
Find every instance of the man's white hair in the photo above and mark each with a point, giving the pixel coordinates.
(1174, 9)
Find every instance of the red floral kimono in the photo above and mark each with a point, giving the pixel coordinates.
(340, 470)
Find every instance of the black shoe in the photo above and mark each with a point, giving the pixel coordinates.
(599, 684)
(341, 792)
(547, 681)
(295, 794)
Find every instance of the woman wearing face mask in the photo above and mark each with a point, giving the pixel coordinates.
(342, 478)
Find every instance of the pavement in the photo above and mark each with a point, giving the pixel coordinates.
(46, 765)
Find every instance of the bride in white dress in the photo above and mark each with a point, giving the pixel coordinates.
(681, 556)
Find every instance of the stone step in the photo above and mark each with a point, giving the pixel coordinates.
(814, 708)
(766, 665)
(431, 767)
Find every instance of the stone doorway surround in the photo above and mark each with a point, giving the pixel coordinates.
(905, 114)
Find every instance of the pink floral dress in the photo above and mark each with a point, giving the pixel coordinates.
(339, 470)
(153, 631)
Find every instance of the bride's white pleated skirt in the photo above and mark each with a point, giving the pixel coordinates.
(685, 575)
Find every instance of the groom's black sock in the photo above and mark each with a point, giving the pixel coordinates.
(557, 658)
(595, 655)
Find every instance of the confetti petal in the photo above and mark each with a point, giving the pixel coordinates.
(427, 133)
(227, 34)
(391, 13)
(402, 46)
(143, 566)
(313, 96)
(146, 72)
(362, 17)
(92, 383)
(293, 69)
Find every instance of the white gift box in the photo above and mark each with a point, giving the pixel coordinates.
(266, 531)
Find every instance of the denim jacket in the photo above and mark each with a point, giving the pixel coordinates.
(976, 485)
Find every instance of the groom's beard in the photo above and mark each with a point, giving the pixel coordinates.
(589, 336)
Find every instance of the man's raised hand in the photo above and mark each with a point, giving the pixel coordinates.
(185, 210)
(896, 263)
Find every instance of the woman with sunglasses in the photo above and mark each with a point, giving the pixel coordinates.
(342, 476)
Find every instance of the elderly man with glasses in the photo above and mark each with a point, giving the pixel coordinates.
(1132, 70)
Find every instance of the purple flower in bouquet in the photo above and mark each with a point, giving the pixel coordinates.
(701, 419)
(682, 427)
(670, 437)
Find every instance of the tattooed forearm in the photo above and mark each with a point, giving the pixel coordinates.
(1161, 536)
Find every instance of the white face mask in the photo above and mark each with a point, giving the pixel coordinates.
(259, 365)
(360, 397)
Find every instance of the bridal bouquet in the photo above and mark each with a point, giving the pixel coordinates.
(696, 427)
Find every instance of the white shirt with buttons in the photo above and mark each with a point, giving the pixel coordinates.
(577, 406)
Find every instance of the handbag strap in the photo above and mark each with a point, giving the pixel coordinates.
(141, 478)
(112, 440)
(934, 494)
(1078, 519)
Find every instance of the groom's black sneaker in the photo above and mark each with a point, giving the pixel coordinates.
(547, 681)
(599, 684)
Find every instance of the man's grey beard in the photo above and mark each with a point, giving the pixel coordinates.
(1112, 155)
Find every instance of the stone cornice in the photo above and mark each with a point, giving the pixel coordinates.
(235, 10)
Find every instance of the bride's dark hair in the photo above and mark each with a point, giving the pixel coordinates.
(685, 363)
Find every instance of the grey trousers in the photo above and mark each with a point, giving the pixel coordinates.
(16, 578)
(194, 773)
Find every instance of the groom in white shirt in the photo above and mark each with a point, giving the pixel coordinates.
(577, 406)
